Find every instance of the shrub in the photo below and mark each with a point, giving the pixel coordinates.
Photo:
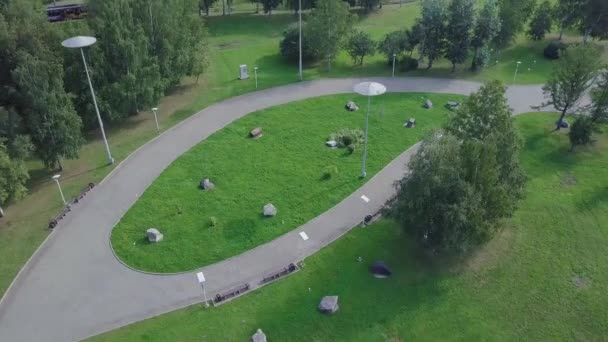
(554, 50)
(289, 45)
(347, 137)
(212, 221)
(408, 64)
(330, 172)
(359, 45)
(393, 43)
(580, 131)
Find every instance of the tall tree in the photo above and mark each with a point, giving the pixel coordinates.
(594, 19)
(541, 21)
(330, 23)
(599, 99)
(269, 5)
(394, 43)
(359, 45)
(205, 5)
(570, 79)
(13, 175)
(513, 14)
(486, 28)
(433, 27)
(461, 17)
(567, 13)
(294, 4)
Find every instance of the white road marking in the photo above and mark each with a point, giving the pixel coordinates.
(363, 197)
(304, 236)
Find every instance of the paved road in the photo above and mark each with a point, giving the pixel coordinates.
(74, 287)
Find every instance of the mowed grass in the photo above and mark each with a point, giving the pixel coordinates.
(543, 278)
(285, 167)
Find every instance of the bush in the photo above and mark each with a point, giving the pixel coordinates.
(555, 49)
(212, 221)
(330, 172)
(359, 45)
(408, 64)
(580, 131)
(347, 137)
(393, 43)
(289, 45)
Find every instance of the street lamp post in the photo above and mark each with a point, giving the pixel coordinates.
(255, 72)
(201, 280)
(80, 42)
(368, 89)
(394, 57)
(156, 119)
(56, 179)
(516, 69)
(300, 38)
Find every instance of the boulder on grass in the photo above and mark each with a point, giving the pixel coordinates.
(256, 132)
(269, 210)
(259, 336)
(351, 106)
(564, 123)
(207, 184)
(411, 123)
(154, 235)
(331, 143)
(380, 270)
(329, 304)
(428, 104)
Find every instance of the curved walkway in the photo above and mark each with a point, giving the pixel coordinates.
(73, 287)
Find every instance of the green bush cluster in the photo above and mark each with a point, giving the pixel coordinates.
(348, 137)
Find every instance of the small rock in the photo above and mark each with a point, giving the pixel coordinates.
(411, 123)
(206, 184)
(564, 124)
(154, 235)
(329, 304)
(256, 132)
(351, 106)
(380, 270)
(259, 336)
(269, 210)
(453, 104)
(428, 104)
(332, 143)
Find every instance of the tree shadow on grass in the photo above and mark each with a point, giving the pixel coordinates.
(594, 199)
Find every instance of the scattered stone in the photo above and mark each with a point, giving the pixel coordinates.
(259, 336)
(351, 106)
(569, 180)
(380, 270)
(206, 184)
(428, 104)
(154, 235)
(329, 304)
(332, 143)
(269, 210)
(360, 259)
(411, 123)
(564, 124)
(453, 104)
(256, 132)
(580, 282)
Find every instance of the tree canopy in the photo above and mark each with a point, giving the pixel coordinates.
(433, 27)
(330, 23)
(461, 18)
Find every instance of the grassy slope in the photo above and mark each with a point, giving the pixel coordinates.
(284, 167)
(519, 287)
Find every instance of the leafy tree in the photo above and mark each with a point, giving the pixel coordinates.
(580, 131)
(433, 25)
(513, 16)
(486, 116)
(599, 99)
(205, 5)
(269, 5)
(486, 28)
(571, 77)
(329, 24)
(294, 4)
(541, 21)
(593, 20)
(567, 13)
(452, 199)
(13, 175)
(394, 43)
(460, 23)
(370, 5)
(289, 45)
(359, 45)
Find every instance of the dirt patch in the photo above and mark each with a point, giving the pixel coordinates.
(495, 251)
(581, 282)
(568, 180)
(228, 45)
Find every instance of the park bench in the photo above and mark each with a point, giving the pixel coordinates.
(55, 220)
(276, 275)
(221, 297)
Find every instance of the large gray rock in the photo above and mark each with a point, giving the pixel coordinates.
(269, 210)
(154, 235)
(564, 123)
(351, 106)
(329, 304)
(411, 123)
(331, 143)
(207, 184)
(256, 132)
(259, 336)
(428, 104)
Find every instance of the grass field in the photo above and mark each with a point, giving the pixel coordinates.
(242, 38)
(543, 278)
(286, 167)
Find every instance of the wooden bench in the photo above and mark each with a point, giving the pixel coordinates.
(221, 297)
(276, 275)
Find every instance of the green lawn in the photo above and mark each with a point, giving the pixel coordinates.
(521, 286)
(285, 167)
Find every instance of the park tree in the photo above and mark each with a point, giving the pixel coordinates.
(571, 77)
(593, 19)
(369, 5)
(205, 5)
(541, 21)
(599, 100)
(269, 5)
(567, 13)
(452, 199)
(295, 5)
(13, 176)
(486, 28)
(289, 45)
(513, 14)
(329, 24)
(359, 45)
(433, 27)
(486, 116)
(394, 43)
(580, 131)
(461, 17)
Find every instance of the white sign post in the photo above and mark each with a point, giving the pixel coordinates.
(243, 74)
(201, 280)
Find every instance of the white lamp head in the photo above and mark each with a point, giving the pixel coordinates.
(370, 88)
(78, 42)
(154, 109)
(56, 177)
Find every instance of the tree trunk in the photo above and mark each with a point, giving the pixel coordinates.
(223, 7)
(572, 148)
(561, 33)
(587, 36)
(561, 118)
(59, 165)
(1, 212)
(430, 65)
(257, 7)
(453, 68)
